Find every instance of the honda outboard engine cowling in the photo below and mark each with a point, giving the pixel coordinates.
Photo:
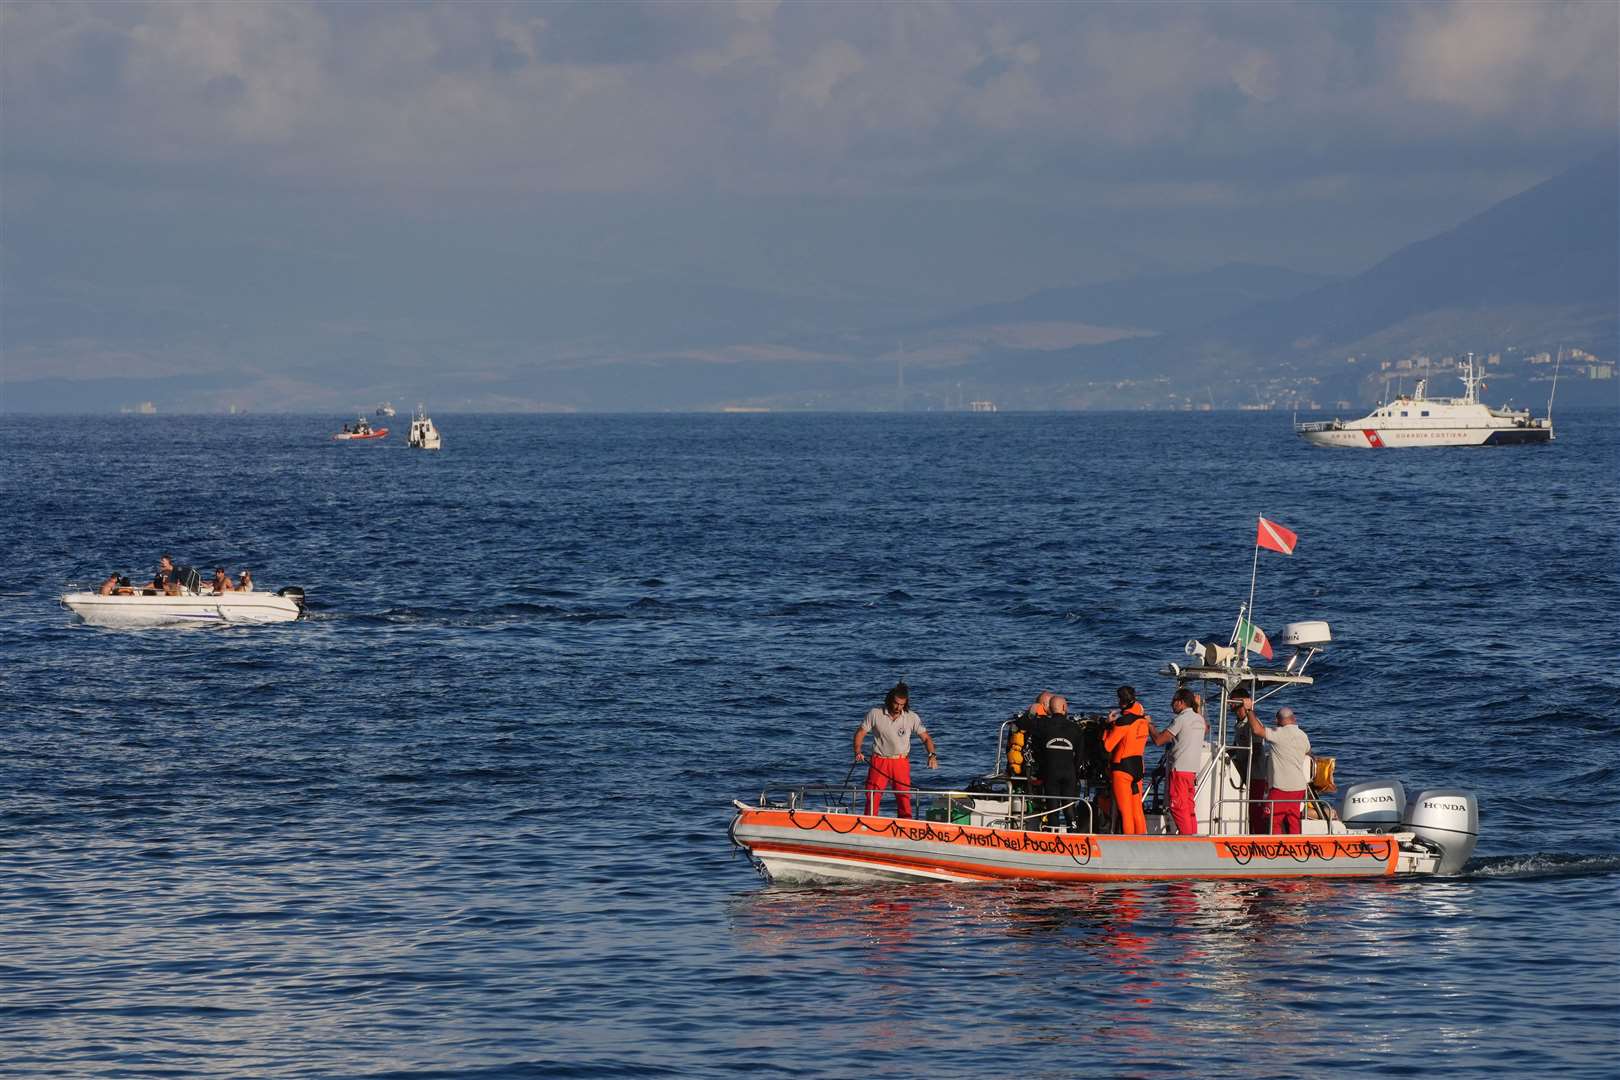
(1378, 805)
(296, 595)
(1448, 818)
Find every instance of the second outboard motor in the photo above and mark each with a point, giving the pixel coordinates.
(1448, 818)
(1379, 805)
(296, 595)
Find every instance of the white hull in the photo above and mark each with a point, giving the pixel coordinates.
(229, 609)
(1354, 437)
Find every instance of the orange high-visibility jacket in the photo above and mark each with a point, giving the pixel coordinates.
(1127, 738)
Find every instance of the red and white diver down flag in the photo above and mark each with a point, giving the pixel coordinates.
(1273, 537)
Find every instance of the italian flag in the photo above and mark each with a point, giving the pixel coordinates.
(1252, 638)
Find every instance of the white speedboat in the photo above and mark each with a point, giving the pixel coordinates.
(424, 436)
(1420, 420)
(188, 608)
(992, 830)
(386, 409)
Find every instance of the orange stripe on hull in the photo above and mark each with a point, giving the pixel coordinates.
(1305, 848)
(982, 872)
(1246, 857)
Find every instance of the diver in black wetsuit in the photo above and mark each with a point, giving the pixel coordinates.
(1057, 740)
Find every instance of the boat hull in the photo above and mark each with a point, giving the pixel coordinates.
(349, 436)
(1364, 436)
(811, 845)
(230, 609)
(1371, 438)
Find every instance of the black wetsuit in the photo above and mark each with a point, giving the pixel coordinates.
(1057, 739)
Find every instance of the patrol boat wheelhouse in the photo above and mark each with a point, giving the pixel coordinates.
(1420, 420)
(992, 830)
(424, 436)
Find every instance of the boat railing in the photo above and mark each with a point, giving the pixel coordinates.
(1022, 811)
(1005, 809)
(1320, 425)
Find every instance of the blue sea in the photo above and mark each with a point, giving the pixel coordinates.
(469, 818)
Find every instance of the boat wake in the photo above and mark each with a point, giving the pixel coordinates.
(1542, 865)
(499, 614)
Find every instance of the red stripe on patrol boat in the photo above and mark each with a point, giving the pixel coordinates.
(1372, 438)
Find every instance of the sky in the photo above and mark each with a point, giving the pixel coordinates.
(298, 203)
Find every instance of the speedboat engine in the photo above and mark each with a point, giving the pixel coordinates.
(1448, 819)
(295, 594)
(1378, 805)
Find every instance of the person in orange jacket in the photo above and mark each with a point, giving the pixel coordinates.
(1125, 740)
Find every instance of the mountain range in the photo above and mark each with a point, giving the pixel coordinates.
(271, 326)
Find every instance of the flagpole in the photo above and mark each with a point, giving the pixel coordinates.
(1248, 613)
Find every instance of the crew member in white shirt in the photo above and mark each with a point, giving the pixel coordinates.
(1290, 768)
(1186, 733)
(891, 728)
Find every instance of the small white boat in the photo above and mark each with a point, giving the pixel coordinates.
(386, 409)
(424, 436)
(1420, 420)
(188, 608)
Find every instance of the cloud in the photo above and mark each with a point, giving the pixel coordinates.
(880, 98)
(1523, 63)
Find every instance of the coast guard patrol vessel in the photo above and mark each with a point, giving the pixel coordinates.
(1420, 420)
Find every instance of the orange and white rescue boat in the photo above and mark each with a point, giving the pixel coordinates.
(993, 830)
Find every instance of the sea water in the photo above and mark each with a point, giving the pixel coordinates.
(469, 818)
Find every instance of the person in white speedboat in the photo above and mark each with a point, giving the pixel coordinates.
(1186, 736)
(164, 580)
(1290, 771)
(221, 582)
(246, 582)
(892, 727)
(109, 586)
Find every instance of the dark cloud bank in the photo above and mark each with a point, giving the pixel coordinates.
(626, 206)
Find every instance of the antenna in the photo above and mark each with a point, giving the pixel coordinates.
(1557, 363)
(1470, 381)
(900, 379)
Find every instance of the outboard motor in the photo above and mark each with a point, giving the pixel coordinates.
(1448, 818)
(296, 595)
(1378, 805)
